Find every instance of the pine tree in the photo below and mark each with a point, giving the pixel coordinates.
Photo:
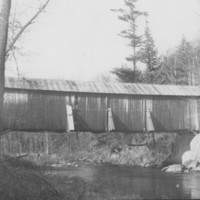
(130, 16)
(181, 66)
(184, 57)
(127, 75)
(165, 73)
(149, 53)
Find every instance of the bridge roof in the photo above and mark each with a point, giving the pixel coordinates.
(101, 87)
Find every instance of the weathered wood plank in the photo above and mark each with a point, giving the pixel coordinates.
(26, 111)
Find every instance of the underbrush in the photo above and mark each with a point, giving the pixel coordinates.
(120, 148)
(113, 147)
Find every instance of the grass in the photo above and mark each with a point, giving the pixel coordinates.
(97, 148)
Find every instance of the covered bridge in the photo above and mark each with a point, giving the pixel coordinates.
(39, 104)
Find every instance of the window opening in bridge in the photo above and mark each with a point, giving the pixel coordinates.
(75, 111)
(70, 120)
(149, 122)
(111, 125)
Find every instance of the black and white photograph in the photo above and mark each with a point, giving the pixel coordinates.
(99, 99)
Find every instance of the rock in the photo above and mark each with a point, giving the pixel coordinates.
(192, 165)
(187, 158)
(142, 164)
(116, 149)
(194, 142)
(190, 159)
(57, 165)
(181, 145)
(196, 169)
(176, 168)
(195, 147)
(68, 164)
(114, 157)
(147, 165)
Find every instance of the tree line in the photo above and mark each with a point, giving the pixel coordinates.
(179, 67)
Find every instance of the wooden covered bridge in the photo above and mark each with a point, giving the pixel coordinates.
(60, 105)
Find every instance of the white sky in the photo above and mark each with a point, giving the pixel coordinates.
(77, 39)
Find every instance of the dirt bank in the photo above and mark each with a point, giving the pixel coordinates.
(68, 148)
(115, 148)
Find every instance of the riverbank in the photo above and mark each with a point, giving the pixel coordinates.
(123, 149)
(114, 148)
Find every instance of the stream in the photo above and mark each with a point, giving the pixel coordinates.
(149, 183)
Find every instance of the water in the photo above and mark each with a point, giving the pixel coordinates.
(146, 182)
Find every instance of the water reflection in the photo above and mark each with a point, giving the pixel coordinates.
(148, 183)
(192, 185)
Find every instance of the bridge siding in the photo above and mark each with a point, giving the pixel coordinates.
(175, 113)
(37, 110)
(91, 113)
(128, 113)
(34, 111)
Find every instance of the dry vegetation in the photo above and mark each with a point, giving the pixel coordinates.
(117, 148)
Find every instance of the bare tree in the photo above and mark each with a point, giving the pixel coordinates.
(8, 45)
(180, 66)
(17, 29)
(104, 77)
(4, 20)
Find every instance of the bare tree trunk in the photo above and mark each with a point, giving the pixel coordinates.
(5, 6)
(134, 65)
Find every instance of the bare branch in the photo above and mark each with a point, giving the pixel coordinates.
(5, 132)
(21, 31)
(17, 67)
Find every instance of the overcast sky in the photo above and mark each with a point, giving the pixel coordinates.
(78, 39)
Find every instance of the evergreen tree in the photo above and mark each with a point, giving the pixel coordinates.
(180, 67)
(127, 75)
(196, 61)
(149, 54)
(165, 73)
(184, 64)
(130, 16)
